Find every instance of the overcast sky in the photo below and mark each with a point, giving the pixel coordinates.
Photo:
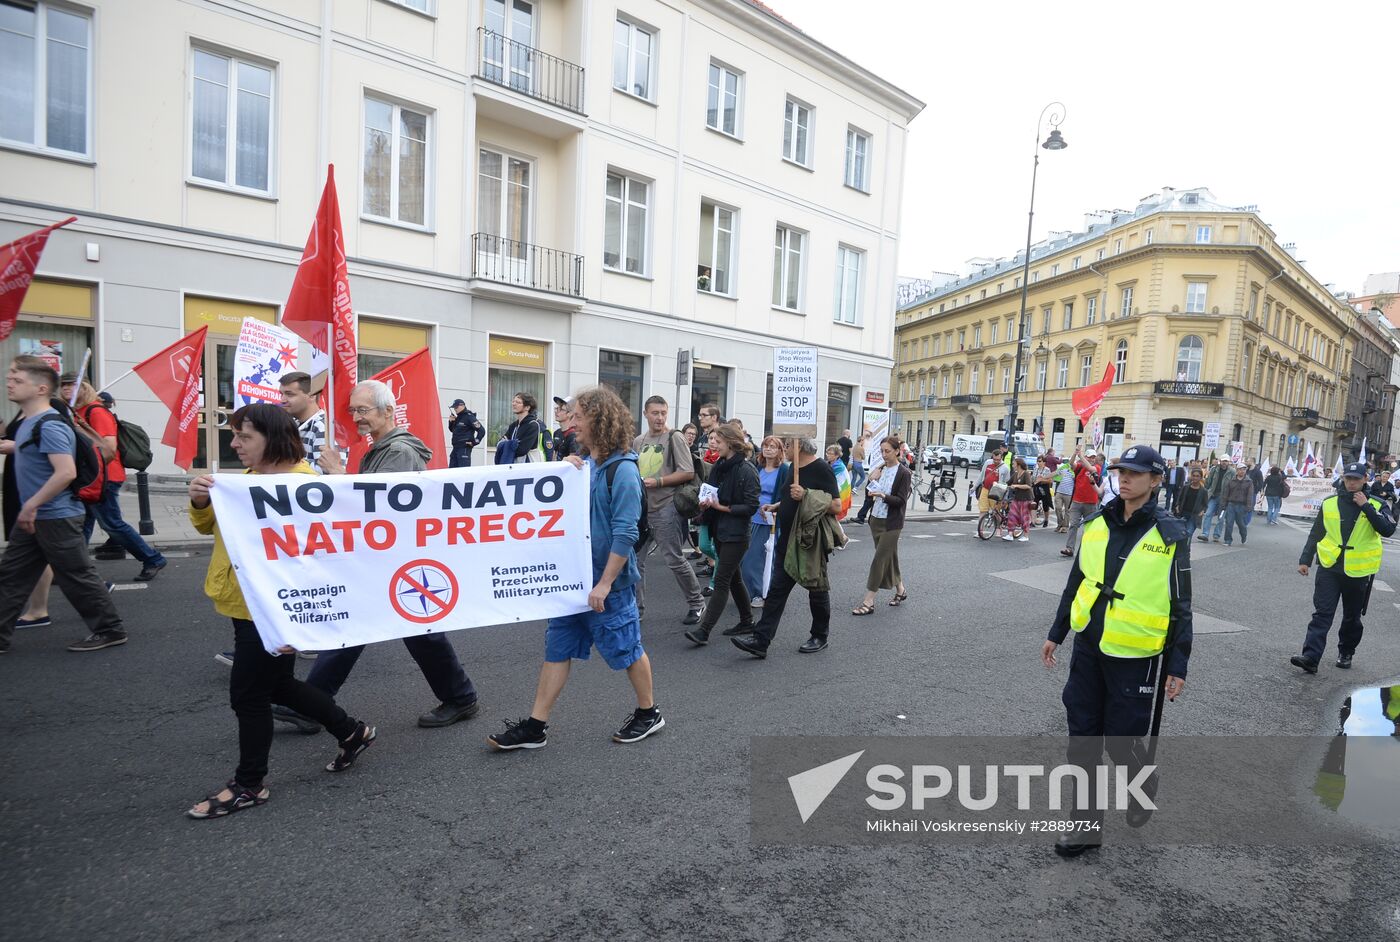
(1290, 105)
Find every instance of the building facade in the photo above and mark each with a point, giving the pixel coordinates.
(1371, 389)
(1215, 334)
(545, 193)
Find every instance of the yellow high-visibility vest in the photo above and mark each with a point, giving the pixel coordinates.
(1136, 618)
(1363, 552)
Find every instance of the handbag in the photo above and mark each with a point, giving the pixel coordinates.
(998, 491)
(685, 497)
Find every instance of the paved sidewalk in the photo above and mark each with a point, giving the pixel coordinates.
(169, 513)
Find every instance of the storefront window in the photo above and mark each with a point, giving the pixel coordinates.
(516, 366)
(55, 323)
(622, 373)
(838, 411)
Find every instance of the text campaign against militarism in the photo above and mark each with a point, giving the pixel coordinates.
(328, 562)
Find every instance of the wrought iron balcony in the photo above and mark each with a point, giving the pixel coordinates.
(1301, 414)
(526, 265)
(529, 71)
(973, 400)
(1170, 387)
(1346, 427)
(1369, 407)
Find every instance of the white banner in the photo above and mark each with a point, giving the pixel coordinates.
(265, 351)
(328, 562)
(1210, 438)
(875, 425)
(795, 391)
(1305, 496)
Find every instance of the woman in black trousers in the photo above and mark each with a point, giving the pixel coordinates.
(727, 515)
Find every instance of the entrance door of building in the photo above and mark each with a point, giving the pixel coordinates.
(838, 411)
(215, 436)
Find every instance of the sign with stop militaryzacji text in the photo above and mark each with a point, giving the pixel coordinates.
(339, 560)
(795, 392)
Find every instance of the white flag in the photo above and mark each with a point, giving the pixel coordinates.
(1362, 459)
(1337, 468)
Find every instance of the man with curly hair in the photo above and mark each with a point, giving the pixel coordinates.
(604, 428)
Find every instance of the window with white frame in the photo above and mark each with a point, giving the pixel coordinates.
(789, 246)
(937, 344)
(633, 55)
(1040, 368)
(976, 371)
(1054, 270)
(1011, 328)
(1069, 315)
(1117, 246)
(1074, 265)
(797, 132)
(725, 94)
(976, 336)
(1190, 354)
(1086, 369)
(1062, 373)
(1202, 235)
(1147, 237)
(957, 384)
(1006, 379)
(992, 334)
(715, 269)
(1098, 256)
(396, 162)
(231, 121)
(1045, 325)
(945, 384)
(1125, 305)
(857, 160)
(849, 263)
(1195, 297)
(991, 379)
(1120, 361)
(625, 218)
(420, 5)
(45, 76)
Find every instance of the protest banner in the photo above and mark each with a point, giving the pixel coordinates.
(329, 562)
(265, 352)
(794, 392)
(1305, 496)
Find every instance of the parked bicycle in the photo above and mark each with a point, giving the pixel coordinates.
(944, 497)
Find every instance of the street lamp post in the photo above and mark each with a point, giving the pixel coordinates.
(1056, 111)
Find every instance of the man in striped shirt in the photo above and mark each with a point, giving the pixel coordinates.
(311, 419)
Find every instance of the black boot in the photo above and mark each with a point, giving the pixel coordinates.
(700, 634)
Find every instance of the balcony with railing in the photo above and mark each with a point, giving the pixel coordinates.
(964, 401)
(1304, 416)
(525, 265)
(1345, 428)
(505, 63)
(1190, 390)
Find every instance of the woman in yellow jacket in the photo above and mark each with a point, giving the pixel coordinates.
(267, 441)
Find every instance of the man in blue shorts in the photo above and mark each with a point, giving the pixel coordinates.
(604, 427)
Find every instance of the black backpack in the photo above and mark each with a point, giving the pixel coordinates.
(92, 472)
(643, 525)
(133, 444)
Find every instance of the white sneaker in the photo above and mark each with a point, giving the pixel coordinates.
(757, 602)
(1008, 538)
(1023, 539)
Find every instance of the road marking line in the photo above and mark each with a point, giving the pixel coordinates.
(1383, 586)
(921, 536)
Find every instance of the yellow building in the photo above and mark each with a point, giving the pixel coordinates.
(1208, 322)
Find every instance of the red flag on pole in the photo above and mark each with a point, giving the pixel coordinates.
(414, 385)
(1087, 400)
(18, 259)
(173, 375)
(318, 307)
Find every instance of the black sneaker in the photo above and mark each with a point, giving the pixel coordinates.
(109, 552)
(226, 658)
(640, 725)
(691, 618)
(44, 622)
(749, 644)
(743, 628)
(303, 724)
(99, 640)
(1344, 660)
(1306, 664)
(708, 591)
(528, 733)
(149, 572)
(360, 740)
(445, 714)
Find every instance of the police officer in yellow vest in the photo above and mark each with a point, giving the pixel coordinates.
(1346, 537)
(1128, 595)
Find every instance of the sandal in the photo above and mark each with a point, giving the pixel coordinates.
(899, 597)
(239, 799)
(863, 610)
(1065, 552)
(351, 748)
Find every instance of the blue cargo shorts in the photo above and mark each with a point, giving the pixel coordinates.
(616, 631)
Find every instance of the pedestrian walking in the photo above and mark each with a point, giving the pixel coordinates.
(846, 445)
(98, 426)
(857, 465)
(993, 472)
(807, 523)
(36, 609)
(665, 463)
(1346, 540)
(1085, 498)
(525, 434)
(843, 478)
(1219, 476)
(1128, 601)
(1021, 494)
(308, 414)
(886, 525)
(612, 625)
(1176, 479)
(771, 470)
(1064, 493)
(1044, 485)
(565, 438)
(1191, 501)
(395, 451)
(1275, 490)
(48, 529)
(465, 431)
(728, 514)
(266, 440)
(1239, 504)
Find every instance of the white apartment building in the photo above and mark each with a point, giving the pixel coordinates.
(546, 193)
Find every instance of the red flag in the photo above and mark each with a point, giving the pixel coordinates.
(18, 259)
(1085, 401)
(318, 307)
(414, 385)
(173, 375)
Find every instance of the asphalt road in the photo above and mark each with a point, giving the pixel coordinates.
(432, 836)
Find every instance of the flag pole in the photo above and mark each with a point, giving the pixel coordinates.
(82, 369)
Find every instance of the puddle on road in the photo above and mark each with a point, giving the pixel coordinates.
(1361, 769)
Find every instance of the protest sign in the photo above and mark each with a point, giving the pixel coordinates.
(795, 392)
(328, 562)
(1305, 496)
(265, 352)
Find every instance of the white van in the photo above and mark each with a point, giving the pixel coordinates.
(974, 450)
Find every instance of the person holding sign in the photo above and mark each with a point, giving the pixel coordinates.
(266, 440)
(604, 428)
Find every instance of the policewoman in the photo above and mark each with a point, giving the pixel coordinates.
(1128, 602)
(1346, 538)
